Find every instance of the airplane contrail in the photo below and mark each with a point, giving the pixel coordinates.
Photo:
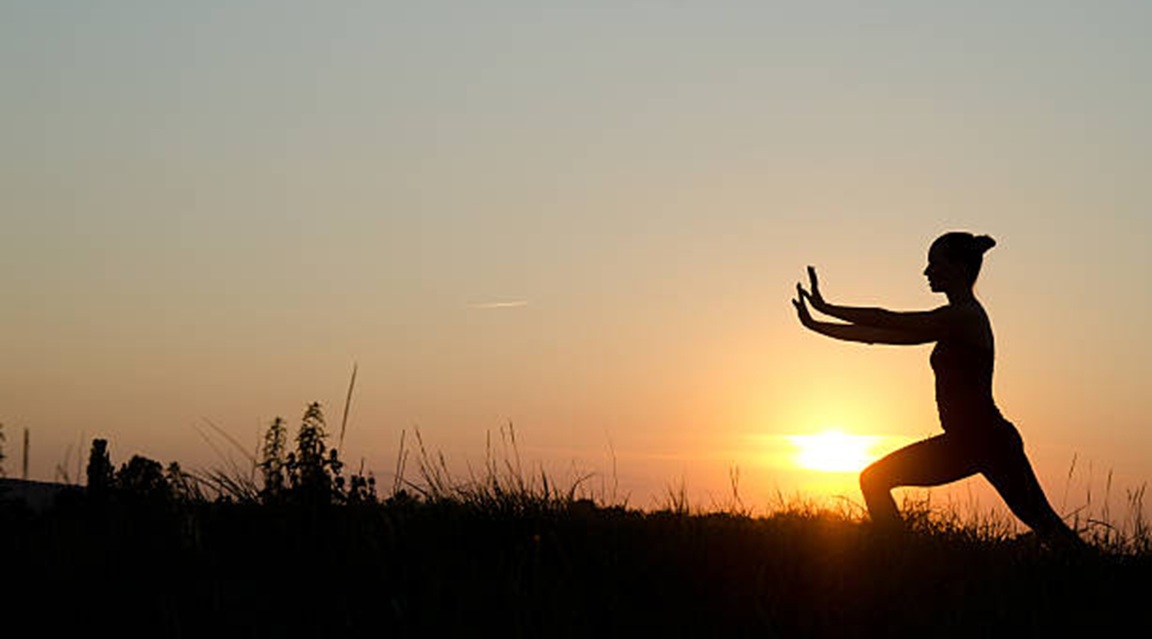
(490, 305)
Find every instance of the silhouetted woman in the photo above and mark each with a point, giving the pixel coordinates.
(976, 438)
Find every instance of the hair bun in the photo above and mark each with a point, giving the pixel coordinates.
(983, 243)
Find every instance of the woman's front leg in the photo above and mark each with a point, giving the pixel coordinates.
(931, 462)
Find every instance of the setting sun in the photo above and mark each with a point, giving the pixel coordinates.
(834, 451)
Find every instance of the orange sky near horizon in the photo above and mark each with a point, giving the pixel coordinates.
(586, 221)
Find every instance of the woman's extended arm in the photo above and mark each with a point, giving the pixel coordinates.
(859, 332)
(934, 322)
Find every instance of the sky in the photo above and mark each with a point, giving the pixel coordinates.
(583, 220)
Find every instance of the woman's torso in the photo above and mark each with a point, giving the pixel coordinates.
(963, 364)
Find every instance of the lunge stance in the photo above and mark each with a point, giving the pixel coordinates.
(976, 438)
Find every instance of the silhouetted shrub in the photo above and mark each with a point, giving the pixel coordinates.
(100, 473)
(272, 460)
(143, 478)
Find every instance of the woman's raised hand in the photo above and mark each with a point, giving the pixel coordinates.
(801, 306)
(814, 296)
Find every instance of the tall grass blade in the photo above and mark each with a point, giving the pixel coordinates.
(347, 404)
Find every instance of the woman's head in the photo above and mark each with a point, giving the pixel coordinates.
(955, 258)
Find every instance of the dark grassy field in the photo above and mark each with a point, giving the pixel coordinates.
(308, 552)
(412, 568)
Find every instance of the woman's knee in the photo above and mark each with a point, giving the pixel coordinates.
(874, 479)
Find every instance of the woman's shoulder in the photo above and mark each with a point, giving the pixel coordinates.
(968, 323)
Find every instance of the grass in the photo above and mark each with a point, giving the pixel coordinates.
(504, 550)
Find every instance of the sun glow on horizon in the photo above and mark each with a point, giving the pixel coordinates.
(834, 451)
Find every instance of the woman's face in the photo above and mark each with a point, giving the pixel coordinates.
(944, 274)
